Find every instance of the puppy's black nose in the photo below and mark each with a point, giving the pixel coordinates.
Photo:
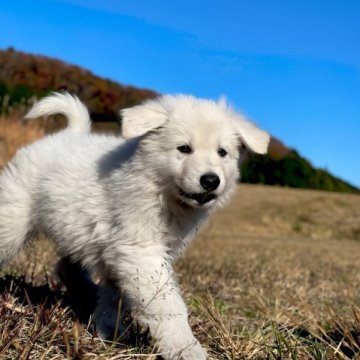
(210, 182)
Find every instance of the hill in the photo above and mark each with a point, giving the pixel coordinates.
(23, 76)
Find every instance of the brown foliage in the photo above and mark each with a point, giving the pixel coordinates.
(42, 74)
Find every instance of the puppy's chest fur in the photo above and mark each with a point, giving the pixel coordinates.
(181, 229)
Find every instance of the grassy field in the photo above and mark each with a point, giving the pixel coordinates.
(275, 275)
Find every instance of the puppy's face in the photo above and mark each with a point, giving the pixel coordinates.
(199, 155)
(194, 146)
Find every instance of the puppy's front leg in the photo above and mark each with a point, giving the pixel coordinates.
(149, 283)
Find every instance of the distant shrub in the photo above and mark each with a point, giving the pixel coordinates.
(293, 171)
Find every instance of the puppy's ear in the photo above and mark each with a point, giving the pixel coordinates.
(255, 139)
(140, 119)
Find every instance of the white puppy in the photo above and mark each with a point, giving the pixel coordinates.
(127, 208)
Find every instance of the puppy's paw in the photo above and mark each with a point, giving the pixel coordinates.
(191, 352)
(196, 352)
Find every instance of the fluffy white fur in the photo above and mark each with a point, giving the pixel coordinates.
(127, 208)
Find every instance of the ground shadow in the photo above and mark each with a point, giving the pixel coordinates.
(80, 295)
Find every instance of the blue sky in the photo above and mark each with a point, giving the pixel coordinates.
(291, 66)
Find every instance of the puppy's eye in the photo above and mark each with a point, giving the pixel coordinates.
(222, 152)
(185, 149)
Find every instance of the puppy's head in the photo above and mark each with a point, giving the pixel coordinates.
(193, 145)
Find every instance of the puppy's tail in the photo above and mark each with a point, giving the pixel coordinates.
(63, 103)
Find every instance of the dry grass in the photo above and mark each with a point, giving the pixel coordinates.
(14, 133)
(281, 292)
(276, 275)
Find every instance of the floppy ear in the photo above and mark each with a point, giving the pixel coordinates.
(255, 139)
(140, 119)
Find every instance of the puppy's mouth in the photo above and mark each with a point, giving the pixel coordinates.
(200, 198)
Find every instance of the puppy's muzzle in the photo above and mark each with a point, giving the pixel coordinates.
(201, 198)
